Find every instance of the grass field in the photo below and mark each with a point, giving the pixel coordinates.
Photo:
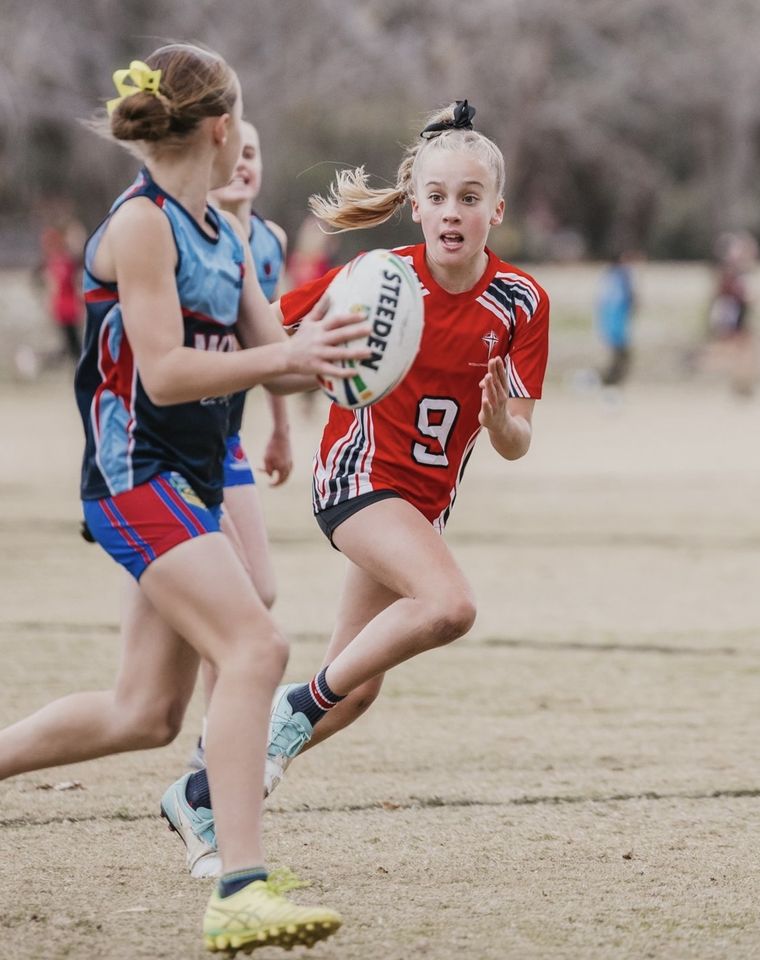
(578, 778)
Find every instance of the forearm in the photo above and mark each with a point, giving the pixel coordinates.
(279, 411)
(511, 437)
(184, 374)
(291, 383)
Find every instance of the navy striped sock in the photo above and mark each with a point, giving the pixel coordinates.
(197, 790)
(314, 699)
(232, 882)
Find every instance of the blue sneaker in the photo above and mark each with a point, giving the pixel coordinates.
(288, 734)
(196, 829)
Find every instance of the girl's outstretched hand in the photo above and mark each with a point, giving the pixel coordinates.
(319, 343)
(494, 396)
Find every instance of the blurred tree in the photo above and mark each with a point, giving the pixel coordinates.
(630, 124)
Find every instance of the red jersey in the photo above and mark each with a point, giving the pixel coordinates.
(418, 439)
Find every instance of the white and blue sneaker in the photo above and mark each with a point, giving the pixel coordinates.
(196, 829)
(288, 734)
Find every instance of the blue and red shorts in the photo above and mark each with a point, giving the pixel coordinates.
(237, 468)
(139, 525)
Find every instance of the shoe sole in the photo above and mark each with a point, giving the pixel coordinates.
(288, 936)
(273, 774)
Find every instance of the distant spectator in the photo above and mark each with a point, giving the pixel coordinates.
(729, 316)
(615, 309)
(61, 248)
(736, 254)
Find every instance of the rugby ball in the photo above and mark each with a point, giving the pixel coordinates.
(380, 286)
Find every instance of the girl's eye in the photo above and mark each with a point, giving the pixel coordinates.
(435, 197)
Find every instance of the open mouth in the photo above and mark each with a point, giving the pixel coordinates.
(452, 240)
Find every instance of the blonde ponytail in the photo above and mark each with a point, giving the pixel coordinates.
(352, 204)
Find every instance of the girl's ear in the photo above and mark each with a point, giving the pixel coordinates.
(220, 128)
(498, 214)
(415, 210)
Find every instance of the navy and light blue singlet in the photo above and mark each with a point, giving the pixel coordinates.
(153, 475)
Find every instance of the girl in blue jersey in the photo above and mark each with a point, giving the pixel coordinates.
(169, 285)
(243, 517)
(268, 244)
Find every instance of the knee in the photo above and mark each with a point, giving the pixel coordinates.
(453, 618)
(153, 724)
(166, 727)
(266, 655)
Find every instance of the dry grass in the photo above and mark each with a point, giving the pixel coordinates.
(578, 778)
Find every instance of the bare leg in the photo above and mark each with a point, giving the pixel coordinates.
(395, 545)
(243, 523)
(198, 591)
(403, 594)
(144, 709)
(362, 599)
(203, 591)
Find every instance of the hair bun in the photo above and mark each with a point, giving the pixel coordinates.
(458, 116)
(142, 116)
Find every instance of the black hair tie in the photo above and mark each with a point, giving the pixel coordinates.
(462, 120)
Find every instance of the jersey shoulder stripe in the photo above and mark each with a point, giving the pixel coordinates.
(522, 289)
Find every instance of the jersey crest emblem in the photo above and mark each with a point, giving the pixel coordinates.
(490, 340)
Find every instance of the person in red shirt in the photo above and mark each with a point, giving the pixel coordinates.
(61, 269)
(386, 476)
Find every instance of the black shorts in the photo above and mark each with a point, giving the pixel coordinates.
(331, 518)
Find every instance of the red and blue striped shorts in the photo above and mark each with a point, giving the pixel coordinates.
(139, 525)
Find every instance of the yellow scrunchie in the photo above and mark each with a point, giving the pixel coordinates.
(141, 80)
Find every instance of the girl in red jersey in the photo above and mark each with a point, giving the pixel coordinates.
(386, 476)
(169, 282)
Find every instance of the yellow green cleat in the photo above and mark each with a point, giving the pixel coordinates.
(260, 915)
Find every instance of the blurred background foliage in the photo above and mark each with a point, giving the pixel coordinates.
(632, 124)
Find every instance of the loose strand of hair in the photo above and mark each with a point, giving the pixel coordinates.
(351, 204)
